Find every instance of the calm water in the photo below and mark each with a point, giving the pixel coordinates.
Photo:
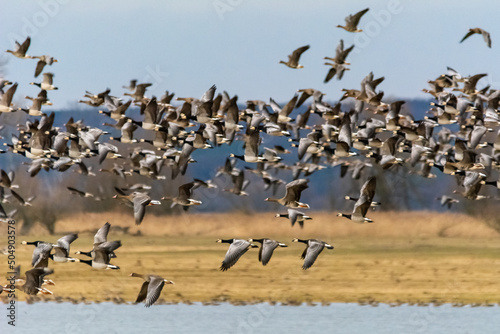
(260, 318)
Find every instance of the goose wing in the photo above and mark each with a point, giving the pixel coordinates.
(294, 57)
(185, 191)
(237, 248)
(469, 33)
(143, 293)
(354, 19)
(101, 255)
(486, 37)
(102, 234)
(8, 95)
(34, 279)
(23, 48)
(41, 253)
(293, 215)
(154, 289)
(361, 207)
(331, 73)
(65, 241)
(140, 202)
(368, 189)
(39, 67)
(267, 249)
(312, 251)
(288, 108)
(294, 189)
(252, 144)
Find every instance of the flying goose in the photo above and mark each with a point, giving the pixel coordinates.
(239, 184)
(293, 59)
(472, 31)
(294, 216)
(284, 113)
(116, 109)
(139, 202)
(151, 288)
(340, 54)
(267, 248)
(313, 249)
(335, 70)
(101, 258)
(292, 195)
(351, 21)
(140, 89)
(358, 213)
(237, 248)
(41, 253)
(47, 82)
(252, 141)
(183, 197)
(21, 49)
(79, 192)
(44, 60)
(367, 192)
(35, 279)
(363, 203)
(100, 240)
(35, 109)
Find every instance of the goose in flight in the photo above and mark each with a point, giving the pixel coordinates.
(47, 82)
(101, 259)
(294, 216)
(472, 31)
(41, 253)
(151, 288)
(267, 249)
(21, 49)
(293, 59)
(35, 279)
(292, 195)
(351, 21)
(367, 192)
(139, 201)
(237, 248)
(313, 249)
(43, 60)
(100, 240)
(183, 198)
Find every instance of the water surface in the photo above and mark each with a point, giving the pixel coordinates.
(258, 318)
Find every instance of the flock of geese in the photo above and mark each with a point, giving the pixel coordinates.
(374, 134)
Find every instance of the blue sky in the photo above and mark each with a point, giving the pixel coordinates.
(186, 46)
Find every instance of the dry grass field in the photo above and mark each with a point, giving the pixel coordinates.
(403, 257)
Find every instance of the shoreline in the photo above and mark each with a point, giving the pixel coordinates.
(250, 303)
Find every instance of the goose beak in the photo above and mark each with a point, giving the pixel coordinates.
(169, 282)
